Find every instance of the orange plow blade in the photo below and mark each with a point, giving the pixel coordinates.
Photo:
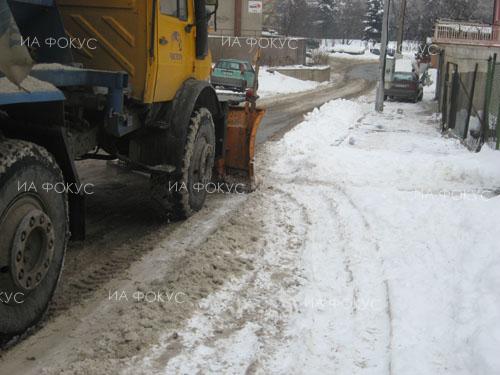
(238, 162)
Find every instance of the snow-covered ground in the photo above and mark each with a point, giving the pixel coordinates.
(366, 55)
(359, 49)
(381, 256)
(273, 84)
(370, 247)
(413, 218)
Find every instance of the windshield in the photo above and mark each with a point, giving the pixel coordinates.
(404, 77)
(228, 65)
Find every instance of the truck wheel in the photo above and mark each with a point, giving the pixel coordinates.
(34, 234)
(198, 161)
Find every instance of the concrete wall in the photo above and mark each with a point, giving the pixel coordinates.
(282, 52)
(319, 74)
(466, 57)
(251, 23)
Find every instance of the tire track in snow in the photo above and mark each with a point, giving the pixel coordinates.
(239, 326)
(378, 269)
(348, 219)
(376, 246)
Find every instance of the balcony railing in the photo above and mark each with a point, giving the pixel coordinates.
(456, 32)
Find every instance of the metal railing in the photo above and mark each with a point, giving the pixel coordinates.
(457, 32)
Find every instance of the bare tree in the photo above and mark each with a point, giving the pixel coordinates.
(294, 16)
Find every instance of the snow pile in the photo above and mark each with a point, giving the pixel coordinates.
(367, 55)
(29, 85)
(303, 67)
(415, 223)
(350, 49)
(272, 84)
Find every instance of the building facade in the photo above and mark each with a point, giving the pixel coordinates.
(466, 87)
(239, 18)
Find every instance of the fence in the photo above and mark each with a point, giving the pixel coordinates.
(492, 103)
(470, 103)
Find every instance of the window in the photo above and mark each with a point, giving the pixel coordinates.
(228, 65)
(175, 8)
(399, 76)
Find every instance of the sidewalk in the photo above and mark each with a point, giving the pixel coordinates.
(402, 254)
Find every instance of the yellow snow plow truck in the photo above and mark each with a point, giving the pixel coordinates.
(105, 79)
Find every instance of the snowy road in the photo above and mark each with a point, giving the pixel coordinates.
(380, 257)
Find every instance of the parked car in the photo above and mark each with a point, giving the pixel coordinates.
(233, 74)
(405, 86)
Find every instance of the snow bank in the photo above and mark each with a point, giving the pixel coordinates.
(422, 217)
(273, 84)
(367, 55)
(351, 49)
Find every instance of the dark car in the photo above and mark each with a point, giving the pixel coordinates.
(405, 86)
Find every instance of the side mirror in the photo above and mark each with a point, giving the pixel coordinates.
(204, 9)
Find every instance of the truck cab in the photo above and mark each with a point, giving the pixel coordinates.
(159, 43)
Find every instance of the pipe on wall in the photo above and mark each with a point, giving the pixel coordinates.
(237, 17)
(496, 13)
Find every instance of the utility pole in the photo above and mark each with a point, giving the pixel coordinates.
(379, 104)
(401, 27)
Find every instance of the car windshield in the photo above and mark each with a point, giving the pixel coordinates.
(398, 76)
(229, 65)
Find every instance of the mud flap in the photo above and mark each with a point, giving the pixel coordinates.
(237, 164)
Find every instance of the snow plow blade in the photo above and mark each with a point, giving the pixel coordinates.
(237, 165)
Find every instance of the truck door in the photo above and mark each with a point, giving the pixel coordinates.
(175, 46)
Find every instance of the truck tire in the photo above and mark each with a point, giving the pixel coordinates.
(34, 234)
(188, 190)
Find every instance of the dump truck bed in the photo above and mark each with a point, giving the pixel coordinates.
(123, 31)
